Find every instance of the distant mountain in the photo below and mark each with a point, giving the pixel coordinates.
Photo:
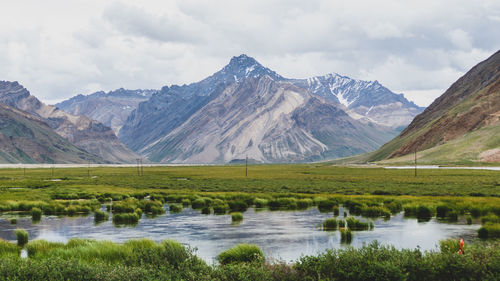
(112, 108)
(246, 109)
(461, 125)
(85, 133)
(366, 100)
(25, 138)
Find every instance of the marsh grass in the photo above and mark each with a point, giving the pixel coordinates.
(22, 237)
(345, 235)
(261, 203)
(355, 224)
(236, 217)
(489, 230)
(206, 210)
(237, 206)
(13, 221)
(36, 214)
(451, 245)
(242, 253)
(326, 205)
(175, 208)
(330, 224)
(126, 218)
(336, 211)
(8, 249)
(100, 216)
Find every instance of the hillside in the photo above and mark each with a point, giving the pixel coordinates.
(461, 125)
(85, 133)
(27, 139)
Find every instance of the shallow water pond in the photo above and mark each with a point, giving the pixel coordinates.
(283, 235)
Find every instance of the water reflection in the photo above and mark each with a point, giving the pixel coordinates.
(282, 235)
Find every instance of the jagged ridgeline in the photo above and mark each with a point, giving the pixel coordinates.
(246, 109)
(81, 131)
(27, 139)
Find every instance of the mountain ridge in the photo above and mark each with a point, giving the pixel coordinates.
(85, 133)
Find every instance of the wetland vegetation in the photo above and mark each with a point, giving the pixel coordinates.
(368, 193)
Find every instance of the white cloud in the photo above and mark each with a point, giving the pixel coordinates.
(60, 48)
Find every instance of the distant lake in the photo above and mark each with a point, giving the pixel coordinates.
(283, 235)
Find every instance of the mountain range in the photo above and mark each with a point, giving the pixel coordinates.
(81, 131)
(248, 110)
(244, 110)
(25, 138)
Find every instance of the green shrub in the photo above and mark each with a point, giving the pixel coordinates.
(424, 212)
(442, 211)
(41, 247)
(490, 218)
(326, 205)
(236, 216)
(241, 253)
(206, 210)
(345, 235)
(36, 214)
(8, 249)
(186, 202)
(100, 216)
(489, 230)
(125, 218)
(355, 224)
(13, 221)
(138, 211)
(394, 207)
(22, 237)
(238, 206)
(452, 216)
(336, 211)
(468, 219)
(330, 224)
(220, 209)
(451, 245)
(375, 211)
(198, 203)
(304, 203)
(175, 208)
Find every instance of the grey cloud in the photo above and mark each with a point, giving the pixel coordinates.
(136, 21)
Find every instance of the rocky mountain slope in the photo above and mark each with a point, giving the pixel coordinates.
(25, 138)
(246, 109)
(85, 133)
(112, 108)
(463, 124)
(366, 100)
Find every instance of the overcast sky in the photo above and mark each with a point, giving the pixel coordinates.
(58, 49)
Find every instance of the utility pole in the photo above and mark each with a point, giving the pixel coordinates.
(246, 165)
(137, 160)
(415, 162)
(88, 170)
(142, 173)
